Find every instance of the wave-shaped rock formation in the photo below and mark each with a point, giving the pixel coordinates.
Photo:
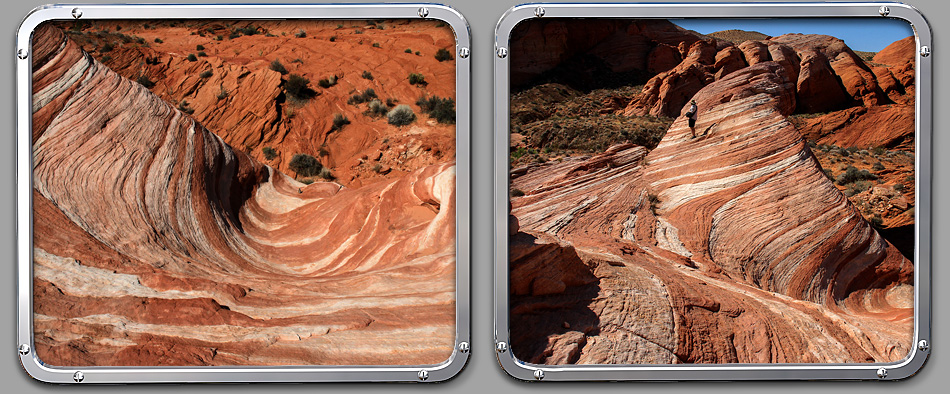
(729, 248)
(155, 243)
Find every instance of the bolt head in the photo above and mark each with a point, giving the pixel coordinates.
(24, 349)
(502, 52)
(538, 374)
(464, 347)
(881, 373)
(501, 347)
(77, 13)
(884, 10)
(464, 52)
(539, 12)
(22, 53)
(923, 345)
(924, 51)
(423, 12)
(78, 376)
(423, 375)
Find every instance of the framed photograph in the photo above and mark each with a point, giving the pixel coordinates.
(712, 191)
(243, 193)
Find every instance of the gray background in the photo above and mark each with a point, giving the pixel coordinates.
(482, 372)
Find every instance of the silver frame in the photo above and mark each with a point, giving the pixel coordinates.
(922, 253)
(24, 221)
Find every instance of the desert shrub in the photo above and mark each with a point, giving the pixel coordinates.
(852, 174)
(367, 75)
(876, 220)
(408, 50)
(362, 97)
(357, 31)
(144, 81)
(417, 79)
(830, 175)
(304, 164)
(192, 57)
(339, 120)
(107, 47)
(391, 102)
(327, 82)
(515, 192)
(219, 38)
(418, 54)
(183, 106)
(877, 166)
(234, 35)
(376, 108)
(140, 40)
(306, 181)
(222, 93)
(377, 168)
(440, 109)
(326, 174)
(899, 187)
(269, 153)
(105, 58)
(202, 54)
(200, 47)
(206, 74)
(277, 66)
(878, 150)
(158, 40)
(856, 187)
(298, 87)
(654, 201)
(332, 38)
(375, 45)
(300, 33)
(442, 55)
(248, 30)
(322, 151)
(401, 115)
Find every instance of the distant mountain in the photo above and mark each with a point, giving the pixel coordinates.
(738, 36)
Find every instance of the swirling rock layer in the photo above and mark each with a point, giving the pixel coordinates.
(156, 243)
(733, 247)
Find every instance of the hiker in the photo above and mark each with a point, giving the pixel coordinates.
(691, 115)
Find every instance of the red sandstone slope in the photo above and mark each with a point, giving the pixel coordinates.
(730, 248)
(254, 112)
(156, 243)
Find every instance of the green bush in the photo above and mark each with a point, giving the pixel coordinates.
(300, 33)
(442, 55)
(183, 107)
(376, 109)
(202, 54)
(269, 153)
(418, 54)
(401, 115)
(339, 120)
(326, 174)
(391, 102)
(219, 38)
(332, 38)
(222, 93)
(327, 82)
(192, 58)
(417, 79)
(375, 45)
(144, 81)
(367, 75)
(440, 109)
(206, 74)
(304, 164)
(200, 47)
(107, 47)
(298, 87)
(408, 50)
(877, 166)
(159, 40)
(360, 98)
(852, 174)
(277, 66)
(515, 192)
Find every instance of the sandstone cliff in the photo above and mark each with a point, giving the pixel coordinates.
(157, 243)
(729, 248)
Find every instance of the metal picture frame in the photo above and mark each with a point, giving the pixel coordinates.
(904, 368)
(24, 221)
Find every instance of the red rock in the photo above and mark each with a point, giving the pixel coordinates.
(786, 270)
(890, 127)
(663, 58)
(728, 60)
(156, 243)
(755, 52)
(898, 53)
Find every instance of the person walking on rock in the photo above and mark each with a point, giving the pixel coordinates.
(691, 116)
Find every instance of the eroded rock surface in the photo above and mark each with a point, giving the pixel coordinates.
(156, 243)
(729, 248)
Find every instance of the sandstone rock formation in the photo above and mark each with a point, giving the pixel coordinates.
(729, 248)
(243, 100)
(157, 243)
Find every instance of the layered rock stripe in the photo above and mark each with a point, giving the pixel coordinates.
(728, 248)
(156, 243)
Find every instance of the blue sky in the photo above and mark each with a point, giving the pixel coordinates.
(861, 34)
